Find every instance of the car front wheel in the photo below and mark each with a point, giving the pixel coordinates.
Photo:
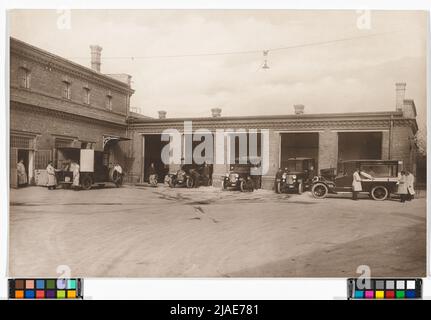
(189, 183)
(223, 185)
(172, 183)
(246, 186)
(86, 182)
(278, 187)
(379, 193)
(319, 190)
(300, 188)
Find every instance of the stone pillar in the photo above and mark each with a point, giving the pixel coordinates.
(328, 149)
(274, 159)
(385, 145)
(219, 169)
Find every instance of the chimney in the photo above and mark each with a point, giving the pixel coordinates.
(299, 108)
(95, 57)
(400, 95)
(162, 114)
(216, 112)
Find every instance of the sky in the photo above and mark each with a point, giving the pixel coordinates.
(358, 74)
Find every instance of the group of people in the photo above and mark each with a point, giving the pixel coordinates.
(70, 166)
(405, 184)
(51, 172)
(200, 174)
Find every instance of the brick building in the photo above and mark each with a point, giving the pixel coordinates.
(328, 138)
(58, 107)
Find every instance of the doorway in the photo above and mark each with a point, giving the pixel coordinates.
(359, 145)
(24, 155)
(299, 145)
(153, 146)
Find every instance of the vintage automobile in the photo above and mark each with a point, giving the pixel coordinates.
(191, 176)
(201, 175)
(297, 175)
(92, 171)
(240, 177)
(384, 180)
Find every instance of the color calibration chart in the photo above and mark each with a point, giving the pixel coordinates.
(384, 288)
(45, 288)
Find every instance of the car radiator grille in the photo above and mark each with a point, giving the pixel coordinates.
(232, 178)
(289, 179)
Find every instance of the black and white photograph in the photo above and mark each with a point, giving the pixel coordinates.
(240, 143)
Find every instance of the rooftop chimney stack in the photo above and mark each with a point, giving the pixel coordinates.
(400, 95)
(216, 112)
(299, 108)
(162, 114)
(95, 57)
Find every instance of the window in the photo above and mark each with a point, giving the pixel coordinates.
(86, 95)
(380, 170)
(24, 78)
(66, 89)
(109, 101)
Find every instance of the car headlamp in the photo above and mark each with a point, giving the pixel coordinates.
(284, 176)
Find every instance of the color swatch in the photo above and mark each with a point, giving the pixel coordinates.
(378, 289)
(45, 288)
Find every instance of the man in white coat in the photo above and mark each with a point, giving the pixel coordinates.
(52, 179)
(410, 180)
(22, 174)
(74, 167)
(402, 186)
(357, 182)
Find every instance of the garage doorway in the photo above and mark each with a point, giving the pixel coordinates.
(208, 158)
(153, 146)
(359, 145)
(21, 148)
(299, 145)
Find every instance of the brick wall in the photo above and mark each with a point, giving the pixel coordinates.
(328, 149)
(402, 137)
(49, 80)
(385, 145)
(49, 125)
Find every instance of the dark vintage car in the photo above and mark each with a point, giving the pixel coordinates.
(384, 180)
(191, 176)
(240, 177)
(296, 176)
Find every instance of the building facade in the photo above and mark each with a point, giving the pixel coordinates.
(57, 106)
(327, 138)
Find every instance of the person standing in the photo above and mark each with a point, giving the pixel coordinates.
(410, 185)
(357, 182)
(75, 177)
(22, 174)
(152, 175)
(52, 179)
(206, 174)
(402, 186)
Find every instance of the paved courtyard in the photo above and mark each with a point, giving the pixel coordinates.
(161, 232)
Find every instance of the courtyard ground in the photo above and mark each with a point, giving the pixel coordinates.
(161, 232)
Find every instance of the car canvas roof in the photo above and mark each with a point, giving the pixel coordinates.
(300, 158)
(370, 160)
